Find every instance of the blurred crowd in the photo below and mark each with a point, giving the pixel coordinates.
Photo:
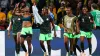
(56, 7)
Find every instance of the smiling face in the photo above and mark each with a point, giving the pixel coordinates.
(84, 10)
(44, 11)
(68, 10)
(27, 9)
(17, 10)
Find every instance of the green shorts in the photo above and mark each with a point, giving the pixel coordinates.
(69, 35)
(45, 37)
(86, 34)
(14, 33)
(26, 31)
(77, 36)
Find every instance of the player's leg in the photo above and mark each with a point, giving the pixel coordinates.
(16, 44)
(29, 41)
(42, 39)
(82, 43)
(82, 36)
(71, 46)
(90, 46)
(76, 46)
(89, 36)
(49, 47)
(23, 37)
(71, 37)
(75, 40)
(48, 39)
(66, 43)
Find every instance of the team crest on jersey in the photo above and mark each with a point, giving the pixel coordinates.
(89, 17)
(19, 19)
(82, 19)
(47, 19)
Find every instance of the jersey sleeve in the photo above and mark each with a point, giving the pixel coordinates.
(75, 19)
(93, 14)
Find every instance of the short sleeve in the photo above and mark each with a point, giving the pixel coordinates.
(93, 14)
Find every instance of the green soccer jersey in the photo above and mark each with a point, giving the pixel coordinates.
(45, 27)
(96, 17)
(16, 24)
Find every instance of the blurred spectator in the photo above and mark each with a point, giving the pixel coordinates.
(57, 4)
(50, 12)
(73, 4)
(4, 5)
(95, 1)
(9, 15)
(98, 4)
(2, 20)
(60, 14)
(89, 5)
(78, 9)
(61, 7)
(22, 5)
(53, 12)
(27, 4)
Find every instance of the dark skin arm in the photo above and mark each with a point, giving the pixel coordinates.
(32, 18)
(10, 27)
(77, 27)
(62, 25)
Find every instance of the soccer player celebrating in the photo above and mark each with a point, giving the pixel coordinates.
(26, 32)
(96, 15)
(16, 26)
(68, 23)
(86, 26)
(45, 31)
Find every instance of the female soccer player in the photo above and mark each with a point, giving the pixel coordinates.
(26, 32)
(86, 26)
(68, 23)
(45, 31)
(16, 25)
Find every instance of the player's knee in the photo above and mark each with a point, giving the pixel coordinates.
(48, 44)
(41, 43)
(29, 46)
